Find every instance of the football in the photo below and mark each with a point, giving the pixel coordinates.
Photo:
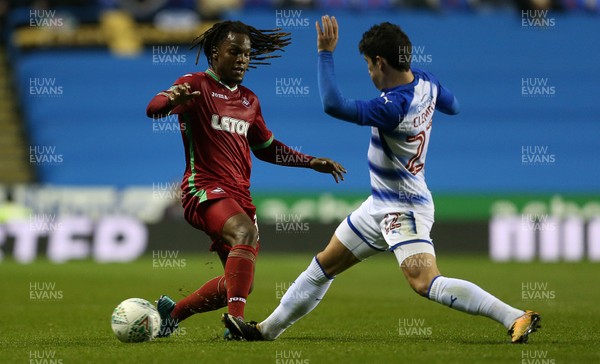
(135, 320)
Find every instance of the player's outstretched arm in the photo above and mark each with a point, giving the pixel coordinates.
(164, 102)
(334, 103)
(282, 155)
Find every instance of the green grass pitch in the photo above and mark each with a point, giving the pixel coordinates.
(61, 314)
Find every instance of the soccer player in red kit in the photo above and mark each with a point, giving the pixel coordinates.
(221, 121)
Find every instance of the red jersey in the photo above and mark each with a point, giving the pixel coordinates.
(219, 128)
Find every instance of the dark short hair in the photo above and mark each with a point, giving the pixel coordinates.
(388, 41)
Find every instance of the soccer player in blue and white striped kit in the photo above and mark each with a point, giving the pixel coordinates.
(398, 215)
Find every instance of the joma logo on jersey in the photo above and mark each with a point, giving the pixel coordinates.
(221, 96)
(231, 125)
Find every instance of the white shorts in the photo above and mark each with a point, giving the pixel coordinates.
(366, 232)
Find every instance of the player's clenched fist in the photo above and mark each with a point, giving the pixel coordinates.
(180, 94)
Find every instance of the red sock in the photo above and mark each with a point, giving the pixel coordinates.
(239, 273)
(211, 296)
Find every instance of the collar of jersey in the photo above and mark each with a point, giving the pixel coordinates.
(212, 74)
(400, 87)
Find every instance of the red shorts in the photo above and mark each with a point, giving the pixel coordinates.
(211, 215)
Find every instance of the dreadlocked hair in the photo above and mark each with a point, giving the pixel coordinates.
(263, 41)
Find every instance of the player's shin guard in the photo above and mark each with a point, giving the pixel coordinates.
(239, 274)
(211, 296)
(468, 297)
(302, 297)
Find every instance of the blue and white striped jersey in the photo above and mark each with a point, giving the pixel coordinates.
(401, 122)
(398, 147)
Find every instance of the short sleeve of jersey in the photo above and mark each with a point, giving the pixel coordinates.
(259, 136)
(382, 112)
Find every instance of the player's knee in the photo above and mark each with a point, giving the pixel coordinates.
(242, 234)
(420, 279)
(420, 285)
(420, 270)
